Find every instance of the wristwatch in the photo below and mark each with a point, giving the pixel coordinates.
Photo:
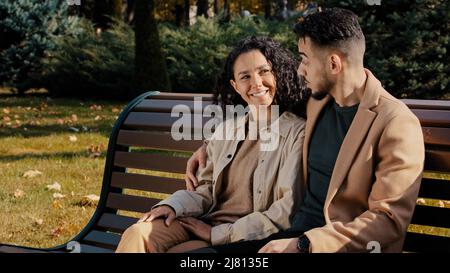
(303, 244)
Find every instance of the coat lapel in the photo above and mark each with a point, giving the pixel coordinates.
(355, 136)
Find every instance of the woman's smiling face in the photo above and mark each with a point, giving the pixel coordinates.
(253, 78)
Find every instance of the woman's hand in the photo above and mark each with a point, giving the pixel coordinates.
(198, 158)
(198, 227)
(161, 211)
(280, 246)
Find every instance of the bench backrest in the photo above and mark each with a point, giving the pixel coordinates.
(429, 230)
(144, 164)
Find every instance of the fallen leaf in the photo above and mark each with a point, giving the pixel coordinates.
(39, 222)
(74, 118)
(56, 204)
(32, 173)
(115, 110)
(6, 110)
(57, 231)
(6, 119)
(73, 138)
(19, 193)
(57, 195)
(89, 200)
(421, 201)
(16, 116)
(55, 186)
(441, 204)
(96, 150)
(60, 121)
(97, 118)
(95, 107)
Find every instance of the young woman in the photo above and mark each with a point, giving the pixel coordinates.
(244, 192)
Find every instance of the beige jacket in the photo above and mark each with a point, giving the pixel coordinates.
(276, 185)
(376, 178)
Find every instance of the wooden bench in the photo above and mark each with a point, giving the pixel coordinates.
(143, 159)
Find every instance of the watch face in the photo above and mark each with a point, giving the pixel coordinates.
(303, 244)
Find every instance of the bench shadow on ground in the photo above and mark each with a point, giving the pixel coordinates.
(44, 156)
(72, 105)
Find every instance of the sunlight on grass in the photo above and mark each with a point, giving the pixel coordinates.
(54, 137)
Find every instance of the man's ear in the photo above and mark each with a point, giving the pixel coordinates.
(335, 64)
(233, 83)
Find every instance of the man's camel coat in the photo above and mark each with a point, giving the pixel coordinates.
(376, 178)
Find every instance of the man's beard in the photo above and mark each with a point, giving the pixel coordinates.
(319, 95)
(323, 91)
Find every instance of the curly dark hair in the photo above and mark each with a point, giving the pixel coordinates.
(330, 27)
(291, 92)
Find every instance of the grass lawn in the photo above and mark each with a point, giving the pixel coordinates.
(64, 140)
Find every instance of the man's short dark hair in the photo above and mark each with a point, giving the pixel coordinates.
(330, 27)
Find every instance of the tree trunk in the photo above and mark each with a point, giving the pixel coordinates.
(216, 7)
(267, 8)
(187, 8)
(151, 72)
(129, 12)
(179, 15)
(104, 10)
(226, 11)
(202, 8)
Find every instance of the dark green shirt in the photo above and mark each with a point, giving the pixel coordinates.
(326, 140)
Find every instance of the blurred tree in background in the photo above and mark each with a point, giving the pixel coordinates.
(408, 44)
(46, 44)
(105, 10)
(27, 31)
(150, 66)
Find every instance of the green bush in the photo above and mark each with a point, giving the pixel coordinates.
(195, 54)
(89, 64)
(27, 28)
(408, 43)
(94, 65)
(407, 49)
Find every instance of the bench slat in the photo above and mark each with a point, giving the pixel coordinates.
(102, 239)
(427, 104)
(166, 106)
(433, 118)
(431, 216)
(14, 249)
(161, 122)
(416, 242)
(156, 162)
(146, 182)
(436, 136)
(155, 140)
(181, 96)
(436, 160)
(94, 249)
(130, 202)
(116, 223)
(435, 189)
